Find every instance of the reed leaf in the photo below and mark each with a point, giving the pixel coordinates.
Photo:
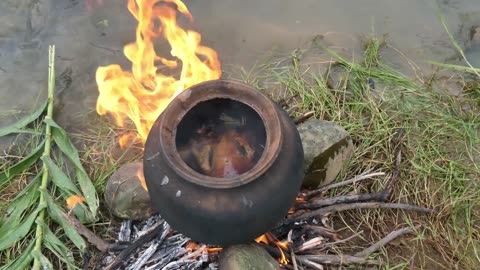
(22, 165)
(66, 146)
(20, 124)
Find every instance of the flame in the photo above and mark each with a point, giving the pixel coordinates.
(142, 94)
(141, 178)
(73, 200)
(268, 238)
(191, 246)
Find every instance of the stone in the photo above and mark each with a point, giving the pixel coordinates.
(125, 194)
(327, 148)
(246, 257)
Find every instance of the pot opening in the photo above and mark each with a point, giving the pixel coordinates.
(221, 138)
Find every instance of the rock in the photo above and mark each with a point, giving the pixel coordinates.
(327, 147)
(246, 257)
(125, 196)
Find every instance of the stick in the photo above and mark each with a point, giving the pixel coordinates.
(124, 255)
(303, 117)
(290, 247)
(92, 238)
(365, 205)
(355, 179)
(276, 253)
(315, 204)
(387, 239)
(337, 259)
(323, 231)
(46, 153)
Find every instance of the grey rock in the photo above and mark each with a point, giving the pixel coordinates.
(125, 196)
(246, 257)
(327, 147)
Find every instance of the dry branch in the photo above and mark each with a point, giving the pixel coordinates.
(344, 207)
(337, 259)
(315, 204)
(303, 117)
(387, 239)
(91, 237)
(355, 179)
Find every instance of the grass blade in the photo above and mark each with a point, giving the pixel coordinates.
(17, 208)
(17, 126)
(55, 213)
(7, 240)
(22, 261)
(58, 177)
(58, 247)
(67, 147)
(23, 165)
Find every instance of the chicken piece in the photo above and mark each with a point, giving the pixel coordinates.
(232, 156)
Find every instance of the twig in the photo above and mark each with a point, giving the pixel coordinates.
(337, 259)
(331, 244)
(292, 253)
(323, 231)
(303, 117)
(92, 238)
(355, 179)
(315, 204)
(367, 205)
(387, 239)
(46, 153)
(276, 253)
(124, 255)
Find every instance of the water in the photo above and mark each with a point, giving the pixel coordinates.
(240, 31)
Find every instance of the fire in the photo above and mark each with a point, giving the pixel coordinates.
(268, 238)
(73, 200)
(194, 246)
(142, 94)
(141, 178)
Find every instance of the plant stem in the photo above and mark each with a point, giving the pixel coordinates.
(46, 153)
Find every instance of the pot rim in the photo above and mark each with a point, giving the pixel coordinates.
(213, 89)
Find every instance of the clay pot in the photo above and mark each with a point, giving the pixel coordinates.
(226, 186)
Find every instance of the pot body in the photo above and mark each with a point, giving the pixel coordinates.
(224, 211)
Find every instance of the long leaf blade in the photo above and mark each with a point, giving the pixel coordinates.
(67, 147)
(15, 127)
(6, 241)
(19, 205)
(56, 213)
(53, 243)
(58, 177)
(22, 165)
(22, 261)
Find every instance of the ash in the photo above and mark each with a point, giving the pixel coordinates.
(166, 250)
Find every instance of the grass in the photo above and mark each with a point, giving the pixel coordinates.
(441, 151)
(371, 100)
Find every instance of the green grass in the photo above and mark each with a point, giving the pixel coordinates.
(441, 150)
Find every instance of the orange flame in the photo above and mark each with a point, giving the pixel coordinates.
(268, 238)
(141, 178)
(142, 94)
(73, 200)
(194, 246)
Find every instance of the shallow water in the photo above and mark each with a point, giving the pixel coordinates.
(240, 31)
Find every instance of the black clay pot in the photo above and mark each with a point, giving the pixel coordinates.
(260, 171)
